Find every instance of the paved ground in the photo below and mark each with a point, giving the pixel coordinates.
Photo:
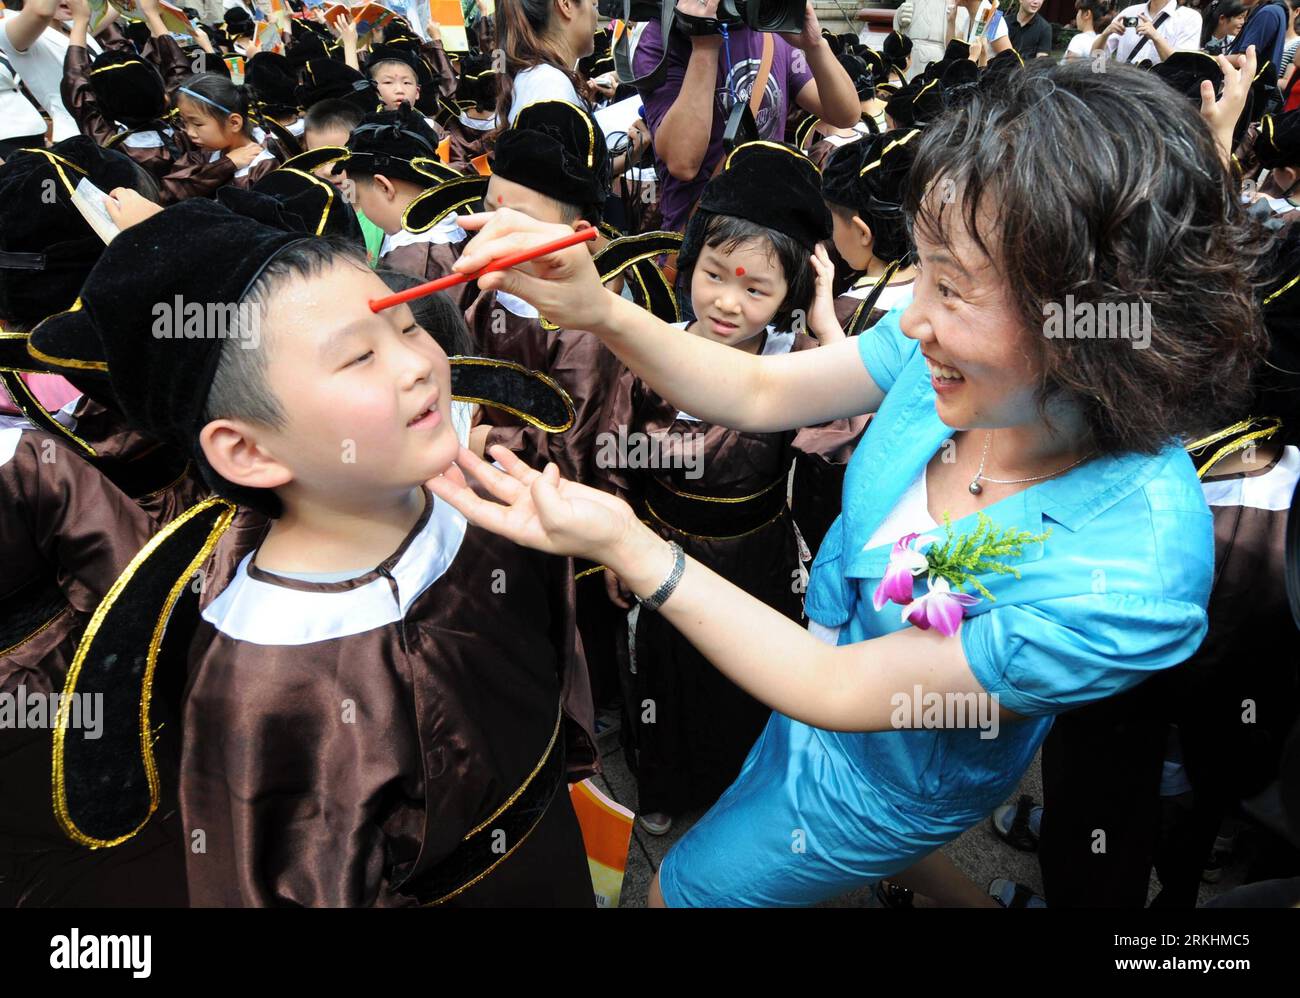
(979, 853)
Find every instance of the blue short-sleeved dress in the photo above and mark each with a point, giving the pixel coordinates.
(1118, 590)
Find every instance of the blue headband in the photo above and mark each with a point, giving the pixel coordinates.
(206, 100)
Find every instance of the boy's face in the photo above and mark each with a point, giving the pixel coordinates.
(367, 396)
(736, 293)
(314, 138)
(396, 83)
(851, 241)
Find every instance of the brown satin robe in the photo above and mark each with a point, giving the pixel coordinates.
(68, 531)
(465, 145)
(454, 704)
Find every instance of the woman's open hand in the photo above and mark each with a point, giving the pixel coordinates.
(541, 510)
(564, 286)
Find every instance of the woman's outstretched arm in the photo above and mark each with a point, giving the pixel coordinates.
(847, 688)
(711, 381)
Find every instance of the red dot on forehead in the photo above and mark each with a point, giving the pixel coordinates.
(740, 271)
(501, 199)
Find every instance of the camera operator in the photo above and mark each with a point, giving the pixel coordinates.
(1151, 32)
(687, 112)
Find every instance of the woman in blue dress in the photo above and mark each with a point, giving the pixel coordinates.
(910, 713)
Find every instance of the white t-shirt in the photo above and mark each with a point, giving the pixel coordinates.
(1080, 46)
(41, 68)
(17, 116)
(1182, 30)
(541, 82)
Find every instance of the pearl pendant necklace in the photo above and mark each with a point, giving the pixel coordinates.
(975, 488)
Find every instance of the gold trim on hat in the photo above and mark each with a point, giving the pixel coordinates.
(766, 143)
(586, 120)
(69, 362)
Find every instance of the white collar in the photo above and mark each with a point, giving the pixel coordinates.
(263, 613)
(446, 231)
(478, 124)
(151, 139)
(259, 137)
(9, 437)
(516, 306)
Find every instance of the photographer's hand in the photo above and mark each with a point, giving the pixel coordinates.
(682, 137)
(701, 8)
(830, 94)
(1115, 29)
(810, 37)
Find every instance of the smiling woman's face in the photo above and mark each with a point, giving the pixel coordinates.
(975, 344)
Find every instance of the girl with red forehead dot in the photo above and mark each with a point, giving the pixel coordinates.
(757, 277)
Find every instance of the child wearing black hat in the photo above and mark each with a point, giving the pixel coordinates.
(120, 99)
(391, 158)
(80, 494)
(1276, 150)
(358, 727)
(897, 51)
(551, 165)
(863, 186)
(272, 82)
(401, 77)
(752, 264)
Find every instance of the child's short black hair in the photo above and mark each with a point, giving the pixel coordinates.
(239, 388)
(217, 97)
(332, 113)
(726, 232)
(392, 61)
(435, 313)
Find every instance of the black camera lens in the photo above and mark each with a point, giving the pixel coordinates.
(773, 15)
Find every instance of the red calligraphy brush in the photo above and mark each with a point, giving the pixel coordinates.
(505, 263)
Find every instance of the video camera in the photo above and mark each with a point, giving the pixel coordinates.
(760, 15)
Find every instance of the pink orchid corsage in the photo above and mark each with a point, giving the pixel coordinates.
(948, 565)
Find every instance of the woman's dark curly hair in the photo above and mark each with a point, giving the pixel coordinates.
(1107, 187)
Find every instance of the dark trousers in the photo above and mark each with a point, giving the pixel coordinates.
(1101, 804)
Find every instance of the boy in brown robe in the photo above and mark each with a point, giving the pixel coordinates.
(384, 703)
